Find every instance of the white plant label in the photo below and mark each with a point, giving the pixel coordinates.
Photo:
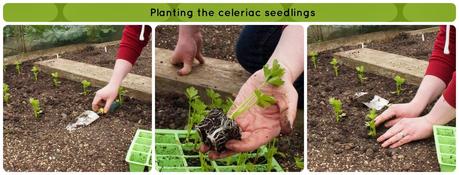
(423, 38)
(377, 103)
(105, 49)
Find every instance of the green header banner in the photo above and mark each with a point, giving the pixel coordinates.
(229, 12)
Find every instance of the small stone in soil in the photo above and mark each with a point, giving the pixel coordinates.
(217, 129)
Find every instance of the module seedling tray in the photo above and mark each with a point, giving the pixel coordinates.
(173, 154)
(139, 153)
(445, 144)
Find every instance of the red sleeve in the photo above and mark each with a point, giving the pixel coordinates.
(440, 64)
(450, 92)
(130, 45)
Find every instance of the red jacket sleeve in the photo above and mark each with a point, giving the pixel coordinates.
(450, 92)
(131, 46)
(440, 64)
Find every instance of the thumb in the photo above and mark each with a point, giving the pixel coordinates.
(288, 109)
(108, 103)
(187, 66)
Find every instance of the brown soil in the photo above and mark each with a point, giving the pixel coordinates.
(218, 41)
(345, 146)
(98, 57)
(44, 144)
(172, 110)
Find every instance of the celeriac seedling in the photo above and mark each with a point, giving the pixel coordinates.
(361, 73)
(204, 166)
(334, 63)
(121, 93)
(314, 56)
(6, 93)
(86, 84)
(399, 81)
(299, 162)
(36, 107)
(55, 76)
(272, 150)
(18, 67)
(371, 123)
(196, 109)
(35, 71)
(337, 108)
(273, 76)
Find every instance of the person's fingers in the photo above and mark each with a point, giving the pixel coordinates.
(389, 133)
(187, 66)
(203, 148)
(386, 115)
(95, 103)
(249, 143)
(214, 155)
(200, 58)
(392, 122)
(393, 139)
(175, 59)
(108, 103)
(404, 140)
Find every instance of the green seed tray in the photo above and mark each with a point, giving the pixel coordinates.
(445, 144)
(139, 153)
(173, 154)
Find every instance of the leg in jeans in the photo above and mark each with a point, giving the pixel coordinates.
(254, 47)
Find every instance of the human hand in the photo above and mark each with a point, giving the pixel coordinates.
(405, 131)
(260, 125)
(105, 97)
(188, 48)
(396, 112)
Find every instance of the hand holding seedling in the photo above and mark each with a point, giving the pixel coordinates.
(260, 124)
(188, 48)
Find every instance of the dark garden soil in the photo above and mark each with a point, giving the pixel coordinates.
(403, 44)
(98, 57)
(172, 110)
(44, 144)
(345, 146)
(218, 41)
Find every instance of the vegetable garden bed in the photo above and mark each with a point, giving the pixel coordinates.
(345, 145)
(43, 144)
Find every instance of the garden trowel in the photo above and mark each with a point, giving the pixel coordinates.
(87, 117)
(376, 103)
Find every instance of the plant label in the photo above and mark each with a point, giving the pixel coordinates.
(377, 103)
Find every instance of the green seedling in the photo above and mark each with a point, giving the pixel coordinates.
(35, 71)
(196, 109)
(121, 93)
(36, 107)
(334, 63)
(371, 123)
(314, 56)
(337, 108)
(18, 67)
(204, 166)
(86, 84)
(241, 161)
(399, 81)
(269, 155)
(55, 76)
(273, 76)
(299, 162)
(6, 93)
(361, 73)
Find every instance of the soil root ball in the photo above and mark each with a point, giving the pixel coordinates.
(217, 129)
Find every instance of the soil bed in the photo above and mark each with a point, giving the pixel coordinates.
(172, 110)
(345, 146)
(44, 144)
(217, 41)
(98, 57)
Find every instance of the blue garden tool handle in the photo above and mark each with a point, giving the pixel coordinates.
(115, 105)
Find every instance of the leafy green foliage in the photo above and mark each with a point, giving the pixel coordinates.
(264, 100)
(361, 73)
(55, 76)
(36, 107)
(86, 84)
(18, 67)
(399, 81)
(334, 63)
(241, 161)
(6, 93)
(204, 166)
(121, 93)
(299, 162)
(196, 109)
(216, 100)
(337, 108)
(35, 71)
(269, 155)
(314, 56)
(371, 123)
(274, 74)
